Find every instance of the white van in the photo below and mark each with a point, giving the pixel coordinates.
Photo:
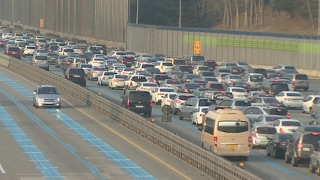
(227, 132)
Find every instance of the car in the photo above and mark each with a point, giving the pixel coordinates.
(143, 65)
(271, 73)
(116, 81)
(230, 78)
(266, 101)
(166, 100)
(178, 100)
(275, 86)
(314, 163)
(315, 107)
(260, 134)
(200, 81)
(59, 61)
(95, 72)
(198, 114)
(13, 52)
(238, 92)
(286, 125)
(28, 50)
(239, 84)
(303, 142)
(127, 71)
(132, 80)
(281, 66)
(215, 86)
(159, 78)
(147, 86)
(175, 74)
(298, 81)
(164, 67)
(159, 93)
(40, 61)
(98, 61)
(251, 94)
(188, 87)
(138, 101)
(46, 96)
(200, 68)
(103, 78)
(52, 57)
(244, 65)
(268, 119)
(143, 57)
(85, 67)
(254, 112)
(277, 145)
(291, 99)
(116, 69)
(212, 64)
(308, 101)
(235, 103)
(192, 104)
(183, 68)
(76, 75)
(253, 80)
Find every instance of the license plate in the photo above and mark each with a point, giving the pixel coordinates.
(232, 146)
(139, 106)
(13, 52)
(76, 75)
(305, 149)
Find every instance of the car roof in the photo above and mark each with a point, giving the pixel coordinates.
(289, 120)
(45, 85)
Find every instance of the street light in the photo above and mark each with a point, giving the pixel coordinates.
(180, 14)
(137, 18)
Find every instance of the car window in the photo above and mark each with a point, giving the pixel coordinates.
(139, 96)
(233, 126)
(294, 94)
(76, 71)
(276, 111)
(242, 103)
(301, 77)
(41, 58)
(266, 130)
(185, 97)
(47, 90)
(257, 78)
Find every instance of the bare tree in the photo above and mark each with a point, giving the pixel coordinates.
(230, 15)
(251, 11)
(262, 12)
(226, 17)
(237, 14)
(310, 13)
(246, 13)
(256, 11)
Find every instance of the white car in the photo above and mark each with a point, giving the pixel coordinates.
(308, 101)
(159, 93)
(29, 50)
(291, 99)
(98, 61)
(117, 81)
(147, 86)
(166, 100)
(116, 69)
(200, 68)
(127, 71)
(163, 66)
(197, 115)
(143, 66)
(238, 92)
(103, 79)
(286, 125)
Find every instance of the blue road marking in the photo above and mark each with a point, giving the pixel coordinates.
(131, 168)
(36, 156)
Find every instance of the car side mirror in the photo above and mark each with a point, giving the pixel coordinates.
(182, 104)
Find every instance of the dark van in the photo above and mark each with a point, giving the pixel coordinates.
(76, 75)
(138, 101)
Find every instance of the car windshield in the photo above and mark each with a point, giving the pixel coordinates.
(99, 69)
(207, 74)
(41, 58)
(198, 58)
(120, 76)
(290, 67)
(239, 90)
(291, 123)
(150, 85)
(216, 86)
(167, 64)
(162, 77)
(68, 50)
(235, 77)
(140, 96)
(185, 97)
(211, 79)
(204, 68)
(233, 126)
(242, 103)
(139, 79)
(173, 81)
(294, 94)
(191, 85)
(179, 62)
(47, 90)
(147, 65)
(166, 90)
(273, 118)
(243, 63)
(256, 78)
(53, 54)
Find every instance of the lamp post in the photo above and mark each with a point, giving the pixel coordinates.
(180, 14)
(137, 18)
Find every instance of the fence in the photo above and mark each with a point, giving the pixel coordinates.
(195, 156)
(266, 49)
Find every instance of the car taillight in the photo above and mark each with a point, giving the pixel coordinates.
(299, 145)
(155, 81)
(123, 61)
(185, 90)
(249, 141)
(115, 80)
(150, 103)
(216, 67)
(68, 62)
(255, 134)
(293, 84)
(281, 131)
(278, 74)
(201, 115)
(215, 140)
(230, 81)
(178, 101)
(288, 115)
(161, 67)
(280, 143)
(248, 84)
(68, 76)
(94, 72)
(130, 83)
(128, 102)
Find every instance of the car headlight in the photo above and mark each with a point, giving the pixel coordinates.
(40, 99)
(58, 99)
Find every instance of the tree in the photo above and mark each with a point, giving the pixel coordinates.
(310, 13)
(237, 14)
(251, 11)
(262, 12)
(246, 13)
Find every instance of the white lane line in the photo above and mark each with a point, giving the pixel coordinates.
(2, 170)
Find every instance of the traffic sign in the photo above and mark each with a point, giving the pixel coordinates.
(41, 23)
(166, 118)
(166, 109)
(197, 47)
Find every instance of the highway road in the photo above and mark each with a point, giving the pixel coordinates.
(74, 142)
(258, 162)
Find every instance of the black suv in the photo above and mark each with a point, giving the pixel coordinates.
(127, 60)
(302, 144)
(76, 75)
(138, 101)
(212, 64)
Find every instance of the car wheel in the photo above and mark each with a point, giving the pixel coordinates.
(275, 153)
(158, 102)
(174, 112)
(59, 106)
(294, 161)
(267, 149)
(98, 82)
(311, 168)
(286, 158)
(180, 115)
(36, 106)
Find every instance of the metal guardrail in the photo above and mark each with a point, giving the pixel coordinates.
(205, 161)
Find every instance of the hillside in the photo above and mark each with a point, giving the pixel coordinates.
(281, 23)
